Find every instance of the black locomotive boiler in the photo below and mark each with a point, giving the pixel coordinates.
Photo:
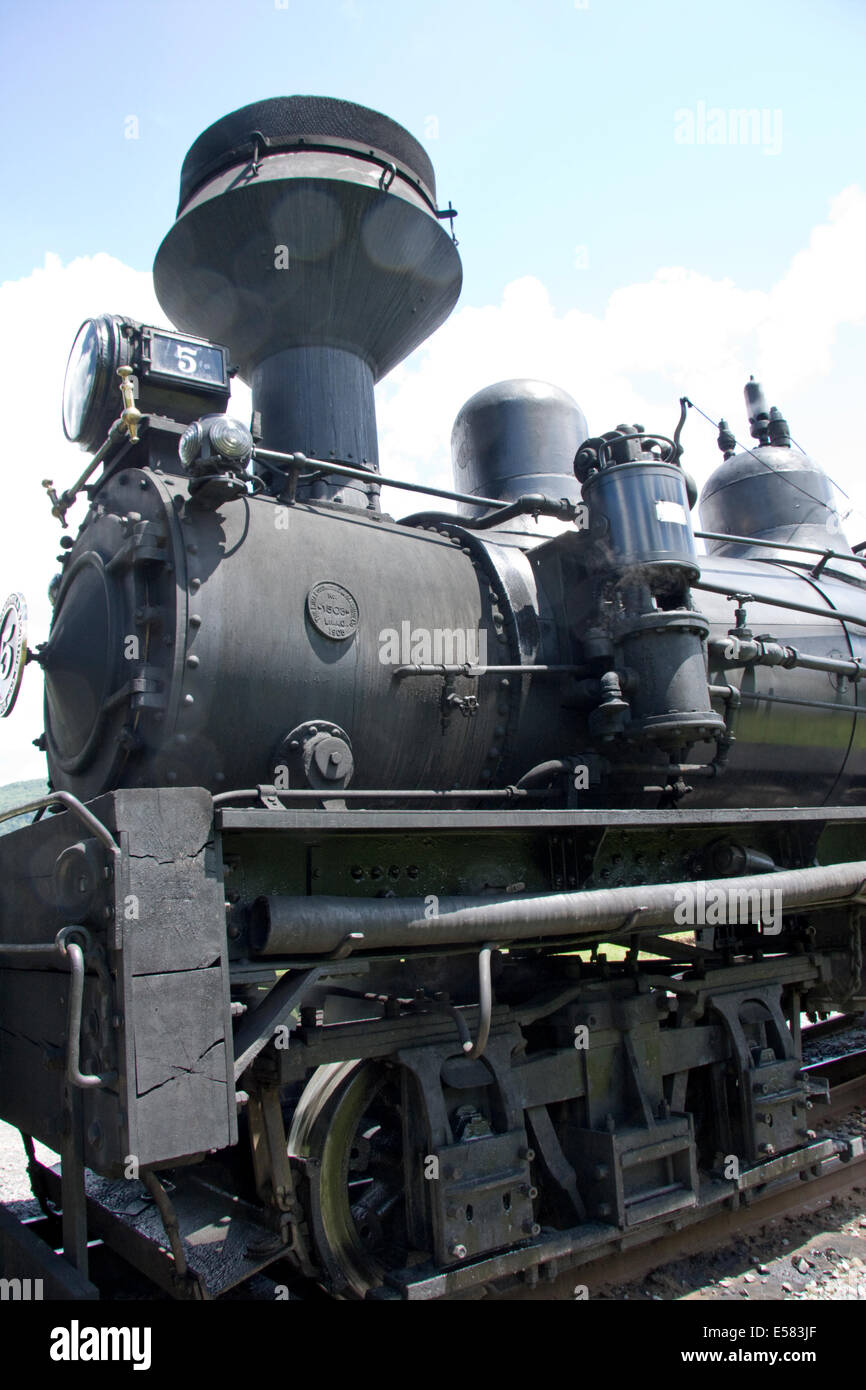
(308, 954)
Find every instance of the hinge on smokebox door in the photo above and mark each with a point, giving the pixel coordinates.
(147, 688)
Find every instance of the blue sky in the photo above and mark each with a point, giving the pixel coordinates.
(555, 123)
(628, 230)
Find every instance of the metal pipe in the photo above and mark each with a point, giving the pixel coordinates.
(855, 669)
(827, 612)
(39, 948)
(377, 794)
(779, 545)
(472, 672)
(853, 710)
(530, 504)
(731, 652)
(72, 804)
(169, 1220)
(66, 499)
(74, 1075)
(282, 925)
(485, 1004)
(554, 767)
(298, 462)
(673, 770)
(65, 946)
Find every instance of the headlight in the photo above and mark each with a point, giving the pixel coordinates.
(80, 377)
(190, 444)
(90, 393)
(213, 442)
(231, 439)
(175, 376)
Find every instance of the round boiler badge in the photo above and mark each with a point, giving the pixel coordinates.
(13, 650)
(333, 611)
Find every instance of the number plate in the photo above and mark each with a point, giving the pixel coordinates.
(188, 360)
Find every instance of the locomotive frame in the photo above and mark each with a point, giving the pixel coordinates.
(345, 1001)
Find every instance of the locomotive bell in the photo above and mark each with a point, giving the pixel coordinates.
(308, 239)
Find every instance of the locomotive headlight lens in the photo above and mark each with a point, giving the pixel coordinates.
(190, 444)
(91, 400)
(80, 379)
(231, 439)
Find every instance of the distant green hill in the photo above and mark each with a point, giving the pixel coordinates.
(13, 794)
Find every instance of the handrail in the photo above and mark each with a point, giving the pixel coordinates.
(92, 822)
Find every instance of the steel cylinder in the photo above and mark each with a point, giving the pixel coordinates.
(282, 925)
(640, 517)
(262, 620)
(518, 437)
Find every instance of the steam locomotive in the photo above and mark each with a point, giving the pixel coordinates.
(427, 904)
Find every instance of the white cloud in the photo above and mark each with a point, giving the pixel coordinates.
(823, 289)
(679, 333)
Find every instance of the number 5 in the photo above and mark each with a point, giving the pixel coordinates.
(186, 359)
